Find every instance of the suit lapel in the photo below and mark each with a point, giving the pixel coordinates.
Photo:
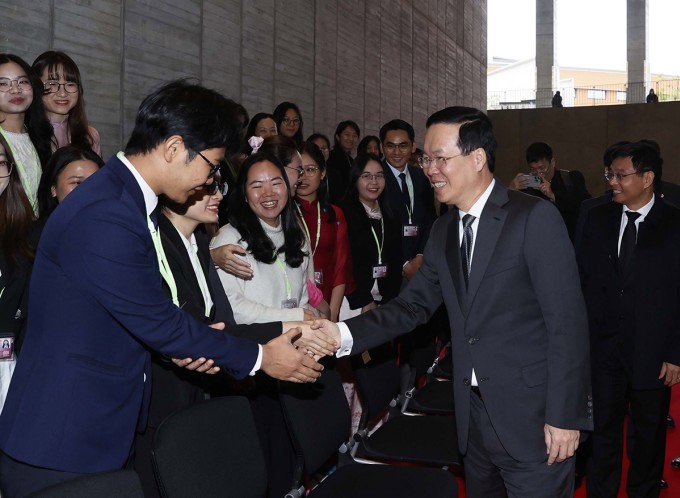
(612, 234)
(453, 258)
(489, 229)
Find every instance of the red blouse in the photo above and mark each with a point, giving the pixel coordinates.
(332, 256)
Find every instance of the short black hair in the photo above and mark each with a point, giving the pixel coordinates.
(342, 126)
(644, 156)
(476, 130)
(397, 124)
(279, 115)
(608, 156)
(537, 151)
(204, 119)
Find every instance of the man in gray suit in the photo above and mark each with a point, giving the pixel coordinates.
(502, 263)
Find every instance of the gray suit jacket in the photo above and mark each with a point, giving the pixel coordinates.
(521, 324)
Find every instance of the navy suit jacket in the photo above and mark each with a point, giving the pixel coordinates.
(97, 302)
(521, 323)
(423, 209)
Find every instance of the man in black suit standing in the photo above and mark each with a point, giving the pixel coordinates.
(502, 264)
(630, 269)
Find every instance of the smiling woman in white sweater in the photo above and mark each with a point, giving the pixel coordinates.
(262, 220)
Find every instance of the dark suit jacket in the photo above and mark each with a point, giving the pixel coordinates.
(423, 209)
(338, 166)
(521, 324)
(635, 316)
(97, 302)
(365, 255)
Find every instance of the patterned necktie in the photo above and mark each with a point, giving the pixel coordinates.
(404, 191)
(466, 246)
(628, 241)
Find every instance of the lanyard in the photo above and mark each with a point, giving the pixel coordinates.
(286, 281)
(31, 192)
(409, 187)
(163, 265)
(201, 279)
(318, 226)
(382, 240)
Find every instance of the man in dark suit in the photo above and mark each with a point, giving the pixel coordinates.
(81, 384)
(565, 189)
(410, 196)
(509, 280)
(630, 269)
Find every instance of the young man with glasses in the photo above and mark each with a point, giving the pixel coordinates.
(565, 189)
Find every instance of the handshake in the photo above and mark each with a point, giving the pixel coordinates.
(293, 356)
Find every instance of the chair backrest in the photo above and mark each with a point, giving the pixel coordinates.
(318, 416)
(378, 380)
(210, 449)
(109, 485)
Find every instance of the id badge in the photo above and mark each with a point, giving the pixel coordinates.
(288, 304)
(318, 277)
(6, 348)
(410, 230)
(380, 271)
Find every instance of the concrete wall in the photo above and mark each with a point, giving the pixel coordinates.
(580, 135)
(367, 60)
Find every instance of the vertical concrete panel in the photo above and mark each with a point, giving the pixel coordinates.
(350, 57)
(637, 14)
(406, 61)
(421, 55)
(25, 27)
(326, 68)
(545, 51)
(372, 67)
(257, 55)
(390, 61)
(221, 47)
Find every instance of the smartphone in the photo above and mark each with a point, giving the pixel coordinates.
(532, 181)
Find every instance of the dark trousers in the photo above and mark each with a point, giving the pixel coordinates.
(612, 395)
(18, 479)
(491, 473)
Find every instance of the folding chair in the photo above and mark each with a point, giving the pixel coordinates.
(109, 485)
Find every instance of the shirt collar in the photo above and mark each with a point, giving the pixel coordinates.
(396, 172)
(150, 197)
(478, 206)
(644, 210)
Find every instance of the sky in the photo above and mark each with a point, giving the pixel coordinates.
(589, 33)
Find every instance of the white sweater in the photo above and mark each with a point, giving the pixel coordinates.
(259, 299)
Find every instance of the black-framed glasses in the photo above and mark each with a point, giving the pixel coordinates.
(610, 175)
(53, 86)
(23, 84)
(214, 168)
(289, 121)
(370, 176)
(439, 162)
(402, 146)
(6, 166)
(214, 187)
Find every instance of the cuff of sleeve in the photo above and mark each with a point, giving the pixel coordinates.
(346, 340)
(258, 362)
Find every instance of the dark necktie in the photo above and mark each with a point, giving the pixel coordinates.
(404, 191)
(628, 241)
(466, 246)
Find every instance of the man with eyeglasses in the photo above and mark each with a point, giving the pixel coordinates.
(566, 189)
(410, 196)
(630, 269)
(81, 385)
(502, 264)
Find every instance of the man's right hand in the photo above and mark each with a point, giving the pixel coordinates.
(230, 259)
(281, 360)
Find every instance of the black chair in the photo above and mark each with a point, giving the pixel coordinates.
(318, 418)
(210, 449)
(424, 440)
(436, 396)
(109, 485)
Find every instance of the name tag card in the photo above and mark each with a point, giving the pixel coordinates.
(6, 348)
(288, 304)
(410, 230)
(380, 271)
(318, 277)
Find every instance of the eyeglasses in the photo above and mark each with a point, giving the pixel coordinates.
(439, 162)
(539, 169)
(23, 83)
(370, 177)
(403, 146)
(53, 86)
(214, 187)
(310, 170)
(299, 171)
(288, 121)
(6, 166)
(609, 175)
(214, 168)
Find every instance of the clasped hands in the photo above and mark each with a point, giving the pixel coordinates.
(293, 356)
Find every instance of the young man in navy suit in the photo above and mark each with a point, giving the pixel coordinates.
(502, 263)
(81, 385)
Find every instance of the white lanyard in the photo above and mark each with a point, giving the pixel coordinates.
(382, 240)
(286, 281)
(163, 265)
(318, 226)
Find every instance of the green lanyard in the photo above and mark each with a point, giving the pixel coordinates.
(163, 265)
(286, 281)
(31, 192)
(382, 240)
(318, 226)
